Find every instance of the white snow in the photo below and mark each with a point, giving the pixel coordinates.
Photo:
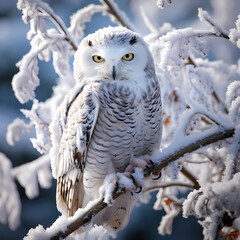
(60, 225)
(10, 204)
(32, 173)
(16, 129)
(200, 98)
(81, 17)
(235, 33)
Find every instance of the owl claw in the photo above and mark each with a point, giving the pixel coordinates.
(150, 171)
(152, 163)
(134, 182)
(133, 179)
(140, 189)
(116, 187)
(148, 168)
(160, 174)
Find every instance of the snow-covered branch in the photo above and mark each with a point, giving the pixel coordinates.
(218, 31)
(29, 175)
(10, 204)
(161, 160)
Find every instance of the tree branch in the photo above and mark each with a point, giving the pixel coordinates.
(60, 25)
(161, 160)
(188, 175)
(113, 11)
(170, 184)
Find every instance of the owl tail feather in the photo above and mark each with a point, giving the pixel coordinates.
(116, 217)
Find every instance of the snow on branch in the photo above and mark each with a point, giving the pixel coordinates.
(35, 12)
(10, 204)
(209, 201)
(28, 175)
(235, 33)
(44, 41)
(205, 17)
(16, 129)
(191, 143)
(32, 173)
(176, 46)
(26, 80)
(81, 17)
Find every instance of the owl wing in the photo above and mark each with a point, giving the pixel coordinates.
(71, 133)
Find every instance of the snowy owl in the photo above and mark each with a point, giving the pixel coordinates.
(112, 116)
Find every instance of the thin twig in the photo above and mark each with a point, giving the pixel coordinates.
(188, 175)
(191, 62)
(214, 94)
(196, 162)
(61, 27)
(115, 14)
(169, 155)
(165, 185)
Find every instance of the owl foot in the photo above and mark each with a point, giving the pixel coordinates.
(146, 163)
(131, 180)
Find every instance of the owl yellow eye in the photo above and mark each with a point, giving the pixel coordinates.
(97, 59)
(128, 57)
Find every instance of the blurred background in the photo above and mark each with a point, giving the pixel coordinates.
(13, 45)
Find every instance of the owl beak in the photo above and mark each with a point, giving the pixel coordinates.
(114, 72)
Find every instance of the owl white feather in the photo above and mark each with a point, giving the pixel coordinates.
(112, 116)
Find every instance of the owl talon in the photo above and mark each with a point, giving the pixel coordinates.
(152, 163)
(134, 182)
(133, 179)
(160, 174)
(140, 189)
(148, 168)
(116, 187)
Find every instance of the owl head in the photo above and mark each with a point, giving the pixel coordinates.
(113, 54)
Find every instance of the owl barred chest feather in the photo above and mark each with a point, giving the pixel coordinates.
(112, 116)
(128, 124)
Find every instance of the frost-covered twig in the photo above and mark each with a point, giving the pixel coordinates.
(214, 94)
(204, 17)
(60, 25)
(81, 17)
(161, 160)
(10, 204)
(170, 184)
(234, 34)
(35, 11)
(32, 173)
